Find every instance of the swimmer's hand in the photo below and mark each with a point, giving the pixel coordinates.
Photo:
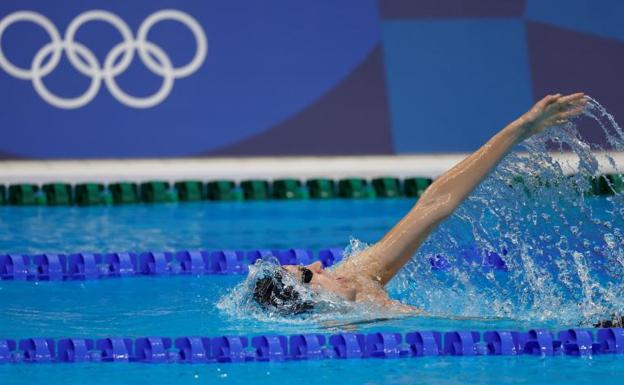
(551, 111)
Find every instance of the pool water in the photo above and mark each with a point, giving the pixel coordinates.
(437, 371)
(183, 305)
(187, 226)
(563, 250)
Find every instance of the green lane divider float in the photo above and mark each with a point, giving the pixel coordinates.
(289, 189)
(355, 188)
(58, 194)
(414, 187)
(223, 190)
(255, 189)
(607, 184)
(321, 188)
(89, 194)
(617, 182)
(124, 192)
(25, 194)
(190, 190)
(601, 185)
(157, 192)
(387, 187)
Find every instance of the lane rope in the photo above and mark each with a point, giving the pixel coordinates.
(224, 349)
(90, 266)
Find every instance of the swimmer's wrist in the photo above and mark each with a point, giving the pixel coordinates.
(519, 129)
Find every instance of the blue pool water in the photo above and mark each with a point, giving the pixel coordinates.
(564, 256)
(176, 306)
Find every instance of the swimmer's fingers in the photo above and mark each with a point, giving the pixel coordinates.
(571, 112)
(573, 98)
(565, 107)
(571, 102)
(547, 101)
(551, 110)
(565, 116)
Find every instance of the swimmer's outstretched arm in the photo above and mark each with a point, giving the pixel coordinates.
(385, 258)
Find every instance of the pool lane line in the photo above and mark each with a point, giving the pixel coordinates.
(162, 191)
(89, 266)
(230, 349)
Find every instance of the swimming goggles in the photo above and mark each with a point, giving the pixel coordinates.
(306, 274)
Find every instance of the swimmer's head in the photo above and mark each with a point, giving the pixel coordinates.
(282, 289)
(272, 293)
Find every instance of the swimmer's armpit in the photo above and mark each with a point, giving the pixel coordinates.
(399, 307)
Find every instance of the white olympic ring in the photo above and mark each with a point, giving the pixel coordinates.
(85, 61)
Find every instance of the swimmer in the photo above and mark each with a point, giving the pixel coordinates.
(363, 277)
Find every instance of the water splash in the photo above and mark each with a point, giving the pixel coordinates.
(565, 255)
(329, 309)
(564, 248)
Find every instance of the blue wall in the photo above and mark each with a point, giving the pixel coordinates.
(295, 77)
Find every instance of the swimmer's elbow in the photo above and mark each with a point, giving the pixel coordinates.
(445, 210)
(440, 207)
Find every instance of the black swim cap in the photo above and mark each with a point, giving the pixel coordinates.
(271, 293)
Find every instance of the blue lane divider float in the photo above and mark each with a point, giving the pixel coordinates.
(86, 266)
(57, 267)
(537, 342)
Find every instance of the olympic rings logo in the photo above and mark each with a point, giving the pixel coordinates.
(85, 61)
